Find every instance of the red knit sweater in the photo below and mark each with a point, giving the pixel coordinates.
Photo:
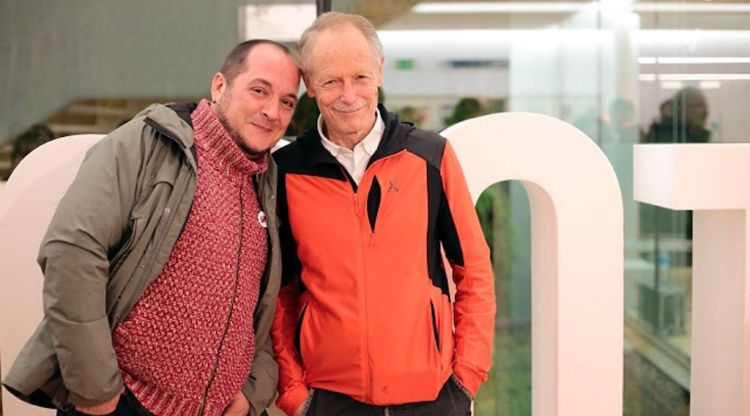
(186, 348)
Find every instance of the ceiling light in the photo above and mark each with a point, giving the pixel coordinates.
(709, 85)
(683, 7)
(504, 7)
(647, 60)
(572, 7)
(671, 85)
(694, 77)
(704, 77)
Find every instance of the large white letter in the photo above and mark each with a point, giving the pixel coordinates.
(26, 206)
(577, 253)
(714, 181)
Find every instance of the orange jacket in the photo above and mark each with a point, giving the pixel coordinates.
(365, 309)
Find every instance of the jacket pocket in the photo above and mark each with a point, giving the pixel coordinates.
(435, 330)
(298, 333)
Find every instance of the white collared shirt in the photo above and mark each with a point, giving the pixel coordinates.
(355, 161)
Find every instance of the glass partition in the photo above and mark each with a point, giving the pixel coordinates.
(623, 72)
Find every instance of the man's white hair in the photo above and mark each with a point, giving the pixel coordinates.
(331, 20)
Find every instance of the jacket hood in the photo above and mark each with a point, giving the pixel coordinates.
(172, 120)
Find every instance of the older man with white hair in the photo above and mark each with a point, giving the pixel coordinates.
(365, 324)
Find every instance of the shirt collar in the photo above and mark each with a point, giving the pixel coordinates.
(369, 143)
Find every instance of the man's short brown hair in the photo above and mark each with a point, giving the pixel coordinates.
(234, 63)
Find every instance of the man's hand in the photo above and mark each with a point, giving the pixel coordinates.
(102, 409)
(239, 406)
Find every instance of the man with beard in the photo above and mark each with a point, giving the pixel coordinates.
(161, 262)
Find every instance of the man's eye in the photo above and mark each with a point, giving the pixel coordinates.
(259, 91)
(288, 104)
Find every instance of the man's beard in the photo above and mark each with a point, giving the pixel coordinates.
(234, 134)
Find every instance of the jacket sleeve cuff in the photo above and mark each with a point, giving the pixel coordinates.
(89, 370)
(260, 387)
(259, 395)
(469, 378)
(81, 401)
(292, 399)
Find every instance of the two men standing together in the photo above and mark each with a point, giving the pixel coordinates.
(162, 263)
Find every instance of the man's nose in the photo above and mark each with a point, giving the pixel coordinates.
(271, 109)
(348, 93)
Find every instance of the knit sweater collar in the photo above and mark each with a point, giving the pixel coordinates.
(212, 137)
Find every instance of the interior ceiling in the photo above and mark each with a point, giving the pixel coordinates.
(380, 12)
(398, 15)
(731, 29)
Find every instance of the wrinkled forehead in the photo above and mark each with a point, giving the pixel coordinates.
(342, 45)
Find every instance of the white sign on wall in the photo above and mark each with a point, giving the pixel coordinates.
(26, 206)
(714, 181)
(576, 255)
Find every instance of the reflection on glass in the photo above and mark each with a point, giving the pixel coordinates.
(507, 390)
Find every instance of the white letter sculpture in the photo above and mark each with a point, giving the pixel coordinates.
(714, 181)
(26, 207)
(577, 253)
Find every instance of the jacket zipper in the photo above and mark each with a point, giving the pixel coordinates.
(125, 250)
(231, 310)
(355, 191)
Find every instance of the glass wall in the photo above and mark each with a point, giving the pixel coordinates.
(83, 66)
(623, 72)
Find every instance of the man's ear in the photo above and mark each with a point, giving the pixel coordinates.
(380, 70)
(218, 85)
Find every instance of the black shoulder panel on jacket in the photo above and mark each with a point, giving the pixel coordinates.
(288, 155)
(306, 156)
(427, 145)
(290, 265)
(184, 111)
(435, 199)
